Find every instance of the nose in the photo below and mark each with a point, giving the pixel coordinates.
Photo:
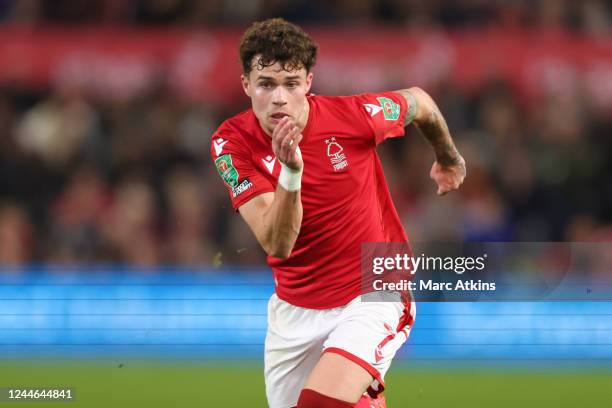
(278, 96)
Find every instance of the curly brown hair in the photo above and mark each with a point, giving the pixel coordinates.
(277, 40)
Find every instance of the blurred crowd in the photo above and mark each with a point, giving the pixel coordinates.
(86, 178)
(584, 15)
(130, 181)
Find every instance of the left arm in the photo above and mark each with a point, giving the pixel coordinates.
(448, 170)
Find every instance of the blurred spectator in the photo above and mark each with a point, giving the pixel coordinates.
(132, 224)
(16, 235)
(188, 219)
(56, 128)
(76, 218)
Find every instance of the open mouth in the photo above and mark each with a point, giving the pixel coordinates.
(279, 116)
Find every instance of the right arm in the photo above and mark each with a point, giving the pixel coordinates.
(275, 218)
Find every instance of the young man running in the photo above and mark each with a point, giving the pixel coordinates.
(303, 172)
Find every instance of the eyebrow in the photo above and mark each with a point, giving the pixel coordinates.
(289, 78)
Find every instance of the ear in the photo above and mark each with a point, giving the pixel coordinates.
(245, 84)
(308, 81)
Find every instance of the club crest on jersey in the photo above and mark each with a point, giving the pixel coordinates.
(390, 109)
(335, 153)
(226, 170)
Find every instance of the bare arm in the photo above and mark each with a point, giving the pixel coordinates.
(276, 218)
(426, 116)
(449, 168)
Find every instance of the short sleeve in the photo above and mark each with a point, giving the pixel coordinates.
(235, 167)
(384, 112)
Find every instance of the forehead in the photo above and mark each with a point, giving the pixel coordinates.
(275, 71)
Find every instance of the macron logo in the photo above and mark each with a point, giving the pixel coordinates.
(372, 109)
(218, 144)
(378, 355)
(269, 163)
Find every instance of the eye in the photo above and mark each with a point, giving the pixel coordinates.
(266, 85)
(292, 84)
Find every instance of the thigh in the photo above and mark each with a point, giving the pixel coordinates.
(293, 346)
(339, 377)
(364, 342)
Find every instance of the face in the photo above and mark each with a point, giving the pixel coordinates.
(276, 93)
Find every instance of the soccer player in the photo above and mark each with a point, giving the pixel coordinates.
(303, 172)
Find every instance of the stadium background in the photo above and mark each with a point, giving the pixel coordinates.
(125, 273)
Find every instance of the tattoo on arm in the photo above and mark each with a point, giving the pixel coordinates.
(413, 107)
(435, 130)
(432, 126)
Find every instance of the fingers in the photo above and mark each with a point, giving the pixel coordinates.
(446, 184)
(448, 178)
(283, 136)
(295, 147)
(443, 190)
(279, 133)
(289, 145)
(286, 138)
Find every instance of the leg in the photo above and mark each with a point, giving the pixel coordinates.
(359, 351)
(338, 377)
(294, 342)
(286, 372)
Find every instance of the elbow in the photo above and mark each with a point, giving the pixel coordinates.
(279, 251)
(425, 104)
(416, 91)
(280, 254)
(281, 245)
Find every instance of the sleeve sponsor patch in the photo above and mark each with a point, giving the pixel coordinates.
(230, 175)
(242, 187)
(390, 109)
(226, 170)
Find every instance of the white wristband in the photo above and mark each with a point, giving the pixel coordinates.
(290, 179)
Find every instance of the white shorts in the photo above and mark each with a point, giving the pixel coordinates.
(368, 333)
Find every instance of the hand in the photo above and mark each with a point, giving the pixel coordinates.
(286, 138)
(448, 177)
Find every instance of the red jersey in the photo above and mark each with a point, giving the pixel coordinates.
(345, 198)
